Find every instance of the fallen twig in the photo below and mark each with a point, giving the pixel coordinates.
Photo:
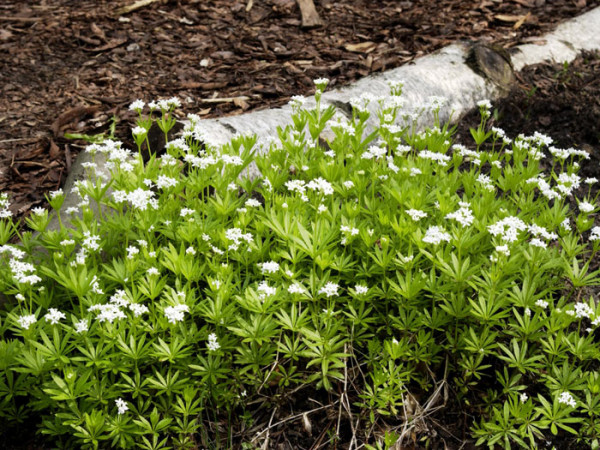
(223, 99)
(19, 19)
(294, 417)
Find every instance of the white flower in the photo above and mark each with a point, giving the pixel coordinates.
(190, 251)
(20, 271)
(217, 250)
(137, 105)
(4, 205)
(96, 286)
(121, 406)
(139, 131)
(440, 158)
(583, 310)
(416, 214)
(268, 267)
(486, 181)
(164, 181)
(264, 290)
(538, 243)
(484, 104)
(141, 199)
(174, 102)
(435, 235)
(567, 399)
(138, 309)
(82, 326)
(57, 193)
(321, 185)
(586, 207)
(132, 251)
(508, 228)
(523, 397)
(542, 303)
(348, 184)
(330, 289)
(374, 152)
(351, 230)
(153, 271)
(464, 215)
(91, 241)
(297, 101)
(236, 235)
(503, 249)
(361, 289)
(26, 321)
(213, 345)
(233, 160)
(252, 203)
(174, 314)
(186, 212)
(321, 83)
(108, 312)
(296, 288)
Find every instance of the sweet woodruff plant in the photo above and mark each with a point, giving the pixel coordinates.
(404, 276)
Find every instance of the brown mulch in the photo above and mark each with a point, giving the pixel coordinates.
(70, 65)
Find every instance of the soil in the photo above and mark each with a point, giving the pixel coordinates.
(72, 65)
(68, 66)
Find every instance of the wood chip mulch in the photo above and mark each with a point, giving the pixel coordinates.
(71, 65)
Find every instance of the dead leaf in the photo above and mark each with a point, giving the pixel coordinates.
(54, 150)
(521, 21)
(525, 3)
(98, 31)
(137, 5)
(5, 34)
(240, 103)
(363, 47)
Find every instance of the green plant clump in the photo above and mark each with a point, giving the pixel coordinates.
(406, 278)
